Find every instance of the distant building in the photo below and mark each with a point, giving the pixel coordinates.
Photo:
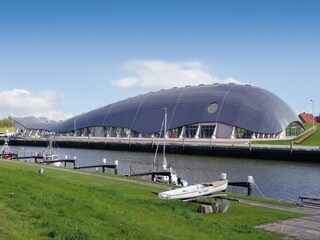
(308, 118)
(204, 111)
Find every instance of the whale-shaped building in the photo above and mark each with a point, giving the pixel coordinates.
(204, 111)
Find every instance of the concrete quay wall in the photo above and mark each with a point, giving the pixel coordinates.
(206, 147)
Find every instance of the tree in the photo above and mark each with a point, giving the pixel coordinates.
(6, 122)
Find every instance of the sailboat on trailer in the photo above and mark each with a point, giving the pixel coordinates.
(193, 192)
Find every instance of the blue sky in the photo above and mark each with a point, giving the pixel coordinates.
(59, 58)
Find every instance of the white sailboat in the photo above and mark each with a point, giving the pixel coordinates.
(195, 191)
(51, 154)
(165, 168)
(6, 152)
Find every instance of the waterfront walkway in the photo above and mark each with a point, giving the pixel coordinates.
(241, 148)
(304, 228)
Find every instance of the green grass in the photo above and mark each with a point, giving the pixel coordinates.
(263, 200)
(9, 129)
(64, 205)
(313, 140)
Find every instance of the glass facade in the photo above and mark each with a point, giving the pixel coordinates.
(243, 133)
(207, 131)
(191, 131)
(294, 129)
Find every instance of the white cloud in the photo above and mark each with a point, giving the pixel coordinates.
(22, 103)
(156, 74)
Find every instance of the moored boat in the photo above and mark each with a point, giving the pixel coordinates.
(6, 152)
(194, 191)
(173, 179)
(51, 155)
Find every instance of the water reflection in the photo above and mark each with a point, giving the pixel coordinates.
(280, 180)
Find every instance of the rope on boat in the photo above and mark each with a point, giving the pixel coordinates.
(259, 190)
(155, 155)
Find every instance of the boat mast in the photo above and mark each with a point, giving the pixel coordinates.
(155, 155)
(50, 147)
(164, 139)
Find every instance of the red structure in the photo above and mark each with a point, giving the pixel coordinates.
(308, 118)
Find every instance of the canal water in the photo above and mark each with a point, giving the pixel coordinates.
(282, 180)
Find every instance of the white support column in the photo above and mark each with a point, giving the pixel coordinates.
(182, 134)
(109, 132)
(128, 133)
(282, 134)
(198, 132)
(101, 133)
(233, 133)
(214, 134)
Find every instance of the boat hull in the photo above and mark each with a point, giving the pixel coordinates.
(8, 156)
(194, 191)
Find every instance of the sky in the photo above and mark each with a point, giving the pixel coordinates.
(65, 57)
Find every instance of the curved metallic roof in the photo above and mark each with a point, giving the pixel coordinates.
(243, 106)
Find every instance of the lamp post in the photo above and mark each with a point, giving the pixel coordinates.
(312, 112)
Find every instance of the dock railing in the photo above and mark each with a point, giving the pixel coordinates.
(310, 201)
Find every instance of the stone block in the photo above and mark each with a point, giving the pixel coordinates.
(224, 206)
(204, 208)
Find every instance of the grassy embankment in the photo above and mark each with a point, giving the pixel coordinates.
(9, 129)
(67, 205)
(313, 140)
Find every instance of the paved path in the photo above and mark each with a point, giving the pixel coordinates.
(297, 209)
(304, 228)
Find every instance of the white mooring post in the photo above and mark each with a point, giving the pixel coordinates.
(250, 185)
(116, 162)
(250, 179)
(223, 176)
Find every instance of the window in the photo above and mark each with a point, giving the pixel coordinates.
(207, 131)
(213, 107)
(294, 129)
(191, 131)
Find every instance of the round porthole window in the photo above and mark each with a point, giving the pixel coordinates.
(213, 107)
